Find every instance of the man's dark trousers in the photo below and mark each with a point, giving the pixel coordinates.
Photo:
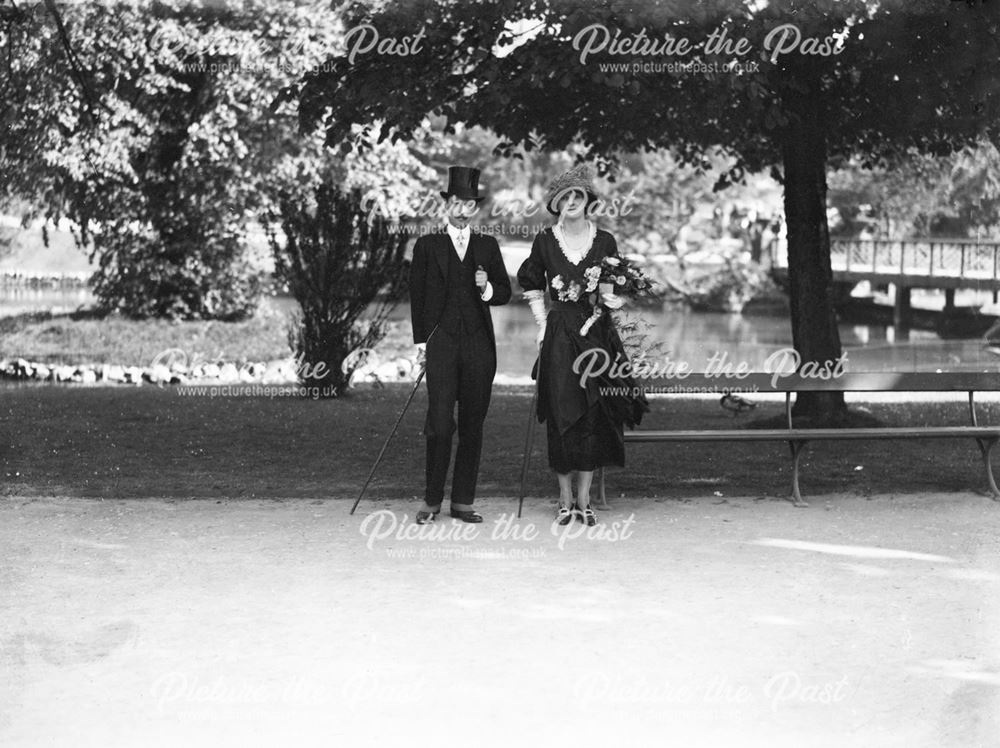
(461, 364)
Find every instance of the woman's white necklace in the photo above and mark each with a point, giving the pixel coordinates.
(575, 249)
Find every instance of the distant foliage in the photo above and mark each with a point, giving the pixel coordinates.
(921, 195)
(346, 269)
(201, 272)
(166, 141)
(160, 145)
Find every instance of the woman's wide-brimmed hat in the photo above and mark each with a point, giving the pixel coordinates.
(577, 178)
(463, 183)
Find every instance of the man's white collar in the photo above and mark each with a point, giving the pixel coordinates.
(456, 233)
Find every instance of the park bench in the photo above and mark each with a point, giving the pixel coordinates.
(985, 437)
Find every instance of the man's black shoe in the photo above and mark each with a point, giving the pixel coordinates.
(425, 518)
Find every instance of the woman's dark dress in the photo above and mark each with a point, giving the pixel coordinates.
(584, 427)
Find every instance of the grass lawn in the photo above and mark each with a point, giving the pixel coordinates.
(87, 339)
(149, 442)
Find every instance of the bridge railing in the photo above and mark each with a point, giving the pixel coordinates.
(943, 258)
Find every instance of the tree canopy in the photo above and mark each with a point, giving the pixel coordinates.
(149, 125)
(785, 84)
(908, 72)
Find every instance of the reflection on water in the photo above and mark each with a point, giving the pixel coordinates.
(16, 300)
(696, 337)
(691, 337)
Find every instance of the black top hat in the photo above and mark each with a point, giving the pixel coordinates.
(463, 183)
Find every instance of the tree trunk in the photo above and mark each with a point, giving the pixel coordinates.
(814, 322)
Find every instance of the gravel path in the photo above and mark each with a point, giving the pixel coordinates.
(856, 622)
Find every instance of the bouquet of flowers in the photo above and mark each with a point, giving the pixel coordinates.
(613, 275)
(627, 279)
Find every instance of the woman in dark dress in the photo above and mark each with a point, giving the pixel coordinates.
(584, 421)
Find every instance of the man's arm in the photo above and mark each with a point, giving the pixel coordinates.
(418, 289)
(497, 291)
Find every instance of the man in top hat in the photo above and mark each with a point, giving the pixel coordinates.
(455, 277)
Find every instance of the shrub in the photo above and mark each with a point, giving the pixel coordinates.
(346, 270)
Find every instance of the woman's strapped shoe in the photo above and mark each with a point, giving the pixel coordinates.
(565, 515)
(587, 516)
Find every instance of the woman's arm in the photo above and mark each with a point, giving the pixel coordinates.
(531, 278)
(531, 274)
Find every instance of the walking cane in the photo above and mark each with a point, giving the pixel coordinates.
(392, 433)
(529, 439)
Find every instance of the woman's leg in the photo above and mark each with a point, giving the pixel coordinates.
(583, 480)
(565, 514)
(565, 489)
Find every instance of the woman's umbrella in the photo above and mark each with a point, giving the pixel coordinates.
(529, 439)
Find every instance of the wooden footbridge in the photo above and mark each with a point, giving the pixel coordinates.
(917, 263)
(948, 264)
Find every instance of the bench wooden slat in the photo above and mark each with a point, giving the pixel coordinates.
(851, 381)
(912, 432)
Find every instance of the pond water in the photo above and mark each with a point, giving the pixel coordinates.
(16, 300)
(698, 337)
(683, 335)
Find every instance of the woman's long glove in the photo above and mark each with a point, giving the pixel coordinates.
(536, 301)
(612, 301)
